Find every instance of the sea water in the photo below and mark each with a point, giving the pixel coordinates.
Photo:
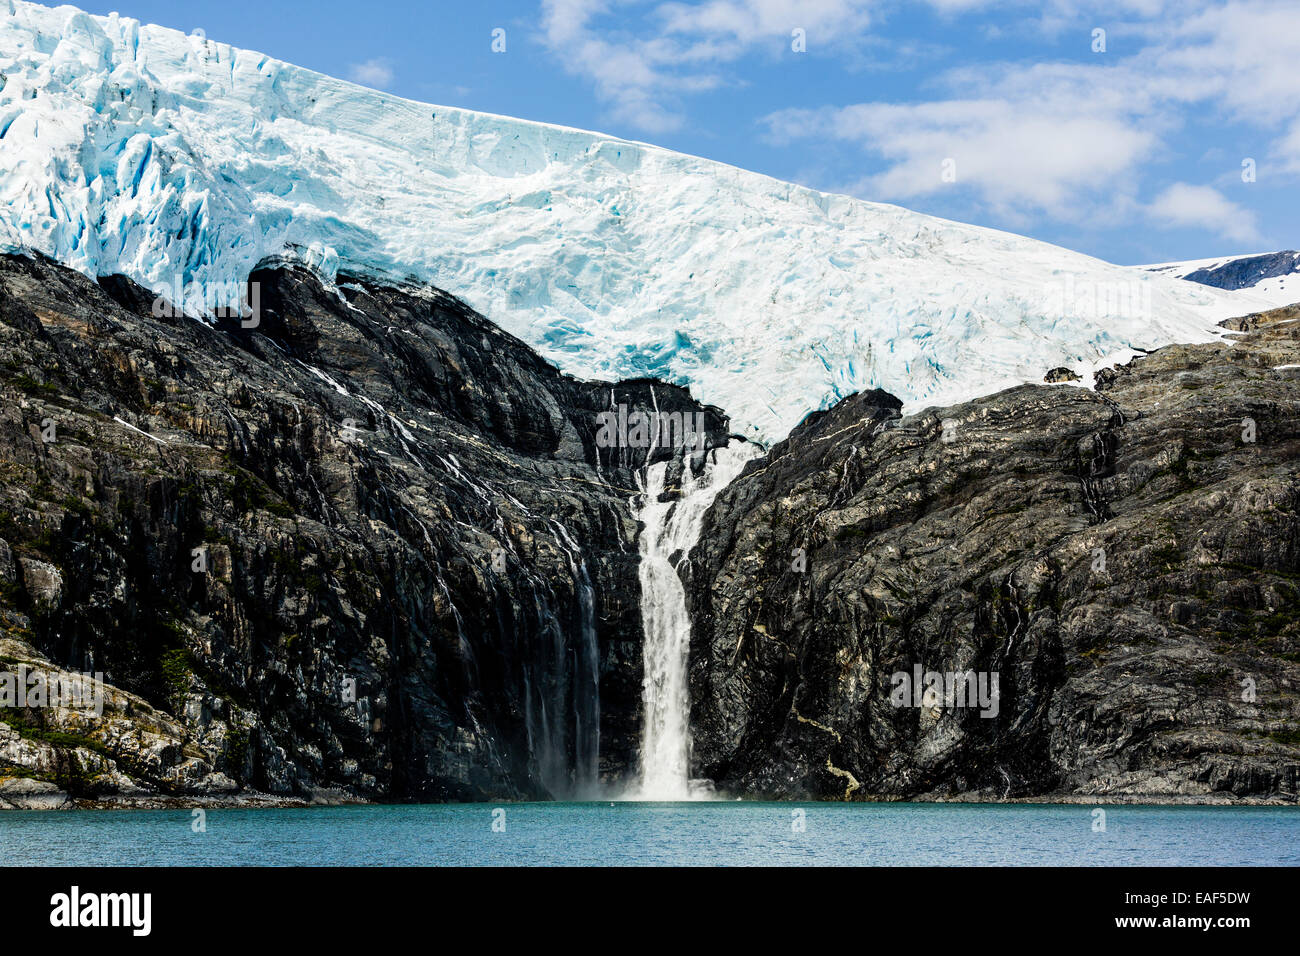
(628, 833)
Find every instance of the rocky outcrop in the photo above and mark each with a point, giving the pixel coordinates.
(1125, 562)
(101, 740)
(1248, 271)
(367, 549)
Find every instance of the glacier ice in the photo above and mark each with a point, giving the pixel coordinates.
(177, 160)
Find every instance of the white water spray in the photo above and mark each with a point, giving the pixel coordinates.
(672, 528)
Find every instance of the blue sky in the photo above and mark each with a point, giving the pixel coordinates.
(1004, 114)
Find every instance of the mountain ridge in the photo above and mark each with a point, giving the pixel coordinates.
(1263, 273)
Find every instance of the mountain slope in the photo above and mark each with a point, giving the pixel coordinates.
(1124, 560)
(1272, 275)
(375, 485)
(173, 159)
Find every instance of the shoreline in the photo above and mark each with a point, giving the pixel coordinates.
(56, 800)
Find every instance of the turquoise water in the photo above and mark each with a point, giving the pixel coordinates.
(659, 833)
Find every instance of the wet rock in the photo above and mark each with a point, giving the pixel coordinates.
(369, 546)
(24, 793)
(1124, 560)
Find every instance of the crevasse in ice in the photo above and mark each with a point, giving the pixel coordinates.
(178, 160)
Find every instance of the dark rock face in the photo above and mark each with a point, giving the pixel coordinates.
(374, 494)
(1126, 561)
(1248, 271)
(1061, 374)
(375, 548)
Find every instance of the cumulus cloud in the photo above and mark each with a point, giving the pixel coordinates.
(1204, 207)
(646, 57)
(1016, 156)
(376, 73)
(1072, 139)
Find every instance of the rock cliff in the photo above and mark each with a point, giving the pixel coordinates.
(367, 549)
(1125, 561)
(370, 547)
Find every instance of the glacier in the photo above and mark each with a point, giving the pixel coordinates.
(178, 160)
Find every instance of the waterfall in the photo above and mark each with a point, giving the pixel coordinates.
(585, 667)
(547, 680)
(562, 685)
(671, 530)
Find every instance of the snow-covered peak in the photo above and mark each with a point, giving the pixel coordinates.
(1274, 276)
(175, 159)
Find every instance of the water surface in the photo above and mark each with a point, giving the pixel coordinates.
(717, 833)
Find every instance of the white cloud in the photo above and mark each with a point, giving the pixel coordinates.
(626, 72)
(1072, 139)
(1287, 150)
(1015, 156)
(682, 48)
(1204, 207)
(376, 73)
(734, 25)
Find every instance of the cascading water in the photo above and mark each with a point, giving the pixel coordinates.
(585, 667)
(562, 685)
(672, 528)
